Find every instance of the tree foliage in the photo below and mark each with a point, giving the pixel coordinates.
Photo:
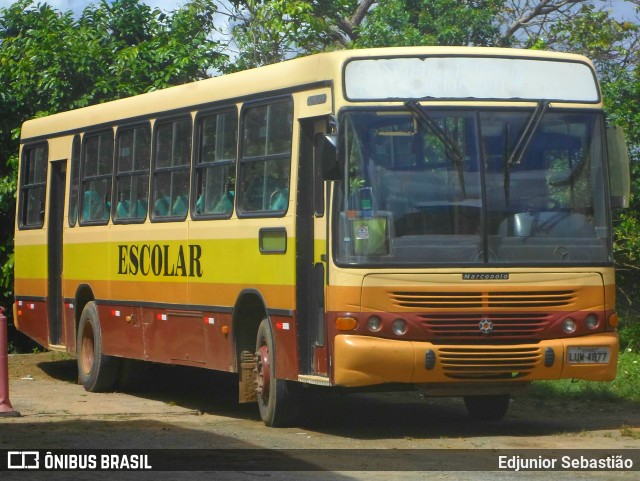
(269, 32)
(51, 62)
(429, 22)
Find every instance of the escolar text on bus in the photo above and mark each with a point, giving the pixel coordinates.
(160, 260)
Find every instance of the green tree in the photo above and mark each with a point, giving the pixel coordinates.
(430, 22)
(51, 62)
(261, 32)
(268, 32)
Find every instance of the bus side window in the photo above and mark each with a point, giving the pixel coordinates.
(75, 181)
(266, 158)
(133, 156)
(214, 163)
(170, 186)
(97, 169)
(33, 186)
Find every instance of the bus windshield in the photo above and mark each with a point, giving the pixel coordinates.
(427, 186)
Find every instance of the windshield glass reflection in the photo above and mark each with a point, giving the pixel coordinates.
(426, 187)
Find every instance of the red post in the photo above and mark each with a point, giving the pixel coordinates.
(5, 405)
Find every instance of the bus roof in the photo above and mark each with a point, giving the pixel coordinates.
(318, 69)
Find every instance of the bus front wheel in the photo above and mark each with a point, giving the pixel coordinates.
(278, 399)
(97, 372)
(487, 408)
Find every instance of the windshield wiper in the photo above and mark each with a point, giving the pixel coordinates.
(451, 148)
(523, 143)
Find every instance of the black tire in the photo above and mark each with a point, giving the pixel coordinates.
(278, 399)
(97, 372)
(487, 408)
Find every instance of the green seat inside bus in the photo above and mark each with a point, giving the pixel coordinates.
(224, 205)
(94, 207)
(161, 206)
(279, 199)
(124, 210)
(180, 206)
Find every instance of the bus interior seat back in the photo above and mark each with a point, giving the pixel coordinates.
(94, 207)
(161, 206)
(141, 208)
(123, 210)
(180, 206)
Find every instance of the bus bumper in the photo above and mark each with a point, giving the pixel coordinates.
(366, 361)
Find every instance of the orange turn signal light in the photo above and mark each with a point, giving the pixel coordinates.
(613, 320)
(346, 323)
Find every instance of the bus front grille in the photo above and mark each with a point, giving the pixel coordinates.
(467, 326)
(492, 299)
(493, 362)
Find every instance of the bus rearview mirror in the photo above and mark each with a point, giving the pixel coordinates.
(327, 154)
(619, 176)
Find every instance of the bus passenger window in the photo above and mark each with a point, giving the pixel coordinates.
(75, 181)
(170, 186)
(214, 169)
(33, 186)
(133, 154)
(266, 159)
(97, 163)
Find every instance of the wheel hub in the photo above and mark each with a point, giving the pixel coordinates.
(263, 378)
(87, 350)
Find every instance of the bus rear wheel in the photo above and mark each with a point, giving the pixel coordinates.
(487, 408)
(278, 399)
(97, 372)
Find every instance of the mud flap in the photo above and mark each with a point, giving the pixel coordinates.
(247, 382)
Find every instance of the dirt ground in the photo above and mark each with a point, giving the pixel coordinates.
(160, 406)
(44, 389)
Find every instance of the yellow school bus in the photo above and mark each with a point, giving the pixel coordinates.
(427, 216)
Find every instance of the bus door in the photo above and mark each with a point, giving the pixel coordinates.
(310, 254)
(54, 250)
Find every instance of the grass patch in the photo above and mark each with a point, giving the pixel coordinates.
(60, 356)
(626, 385)
(629, 432)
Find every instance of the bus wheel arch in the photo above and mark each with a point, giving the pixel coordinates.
(84, 295)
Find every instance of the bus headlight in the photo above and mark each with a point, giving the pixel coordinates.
(591, 321)
(399, 327)
(569, 325)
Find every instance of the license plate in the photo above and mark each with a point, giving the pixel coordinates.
(588, 355)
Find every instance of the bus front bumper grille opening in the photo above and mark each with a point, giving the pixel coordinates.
(490, 363)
